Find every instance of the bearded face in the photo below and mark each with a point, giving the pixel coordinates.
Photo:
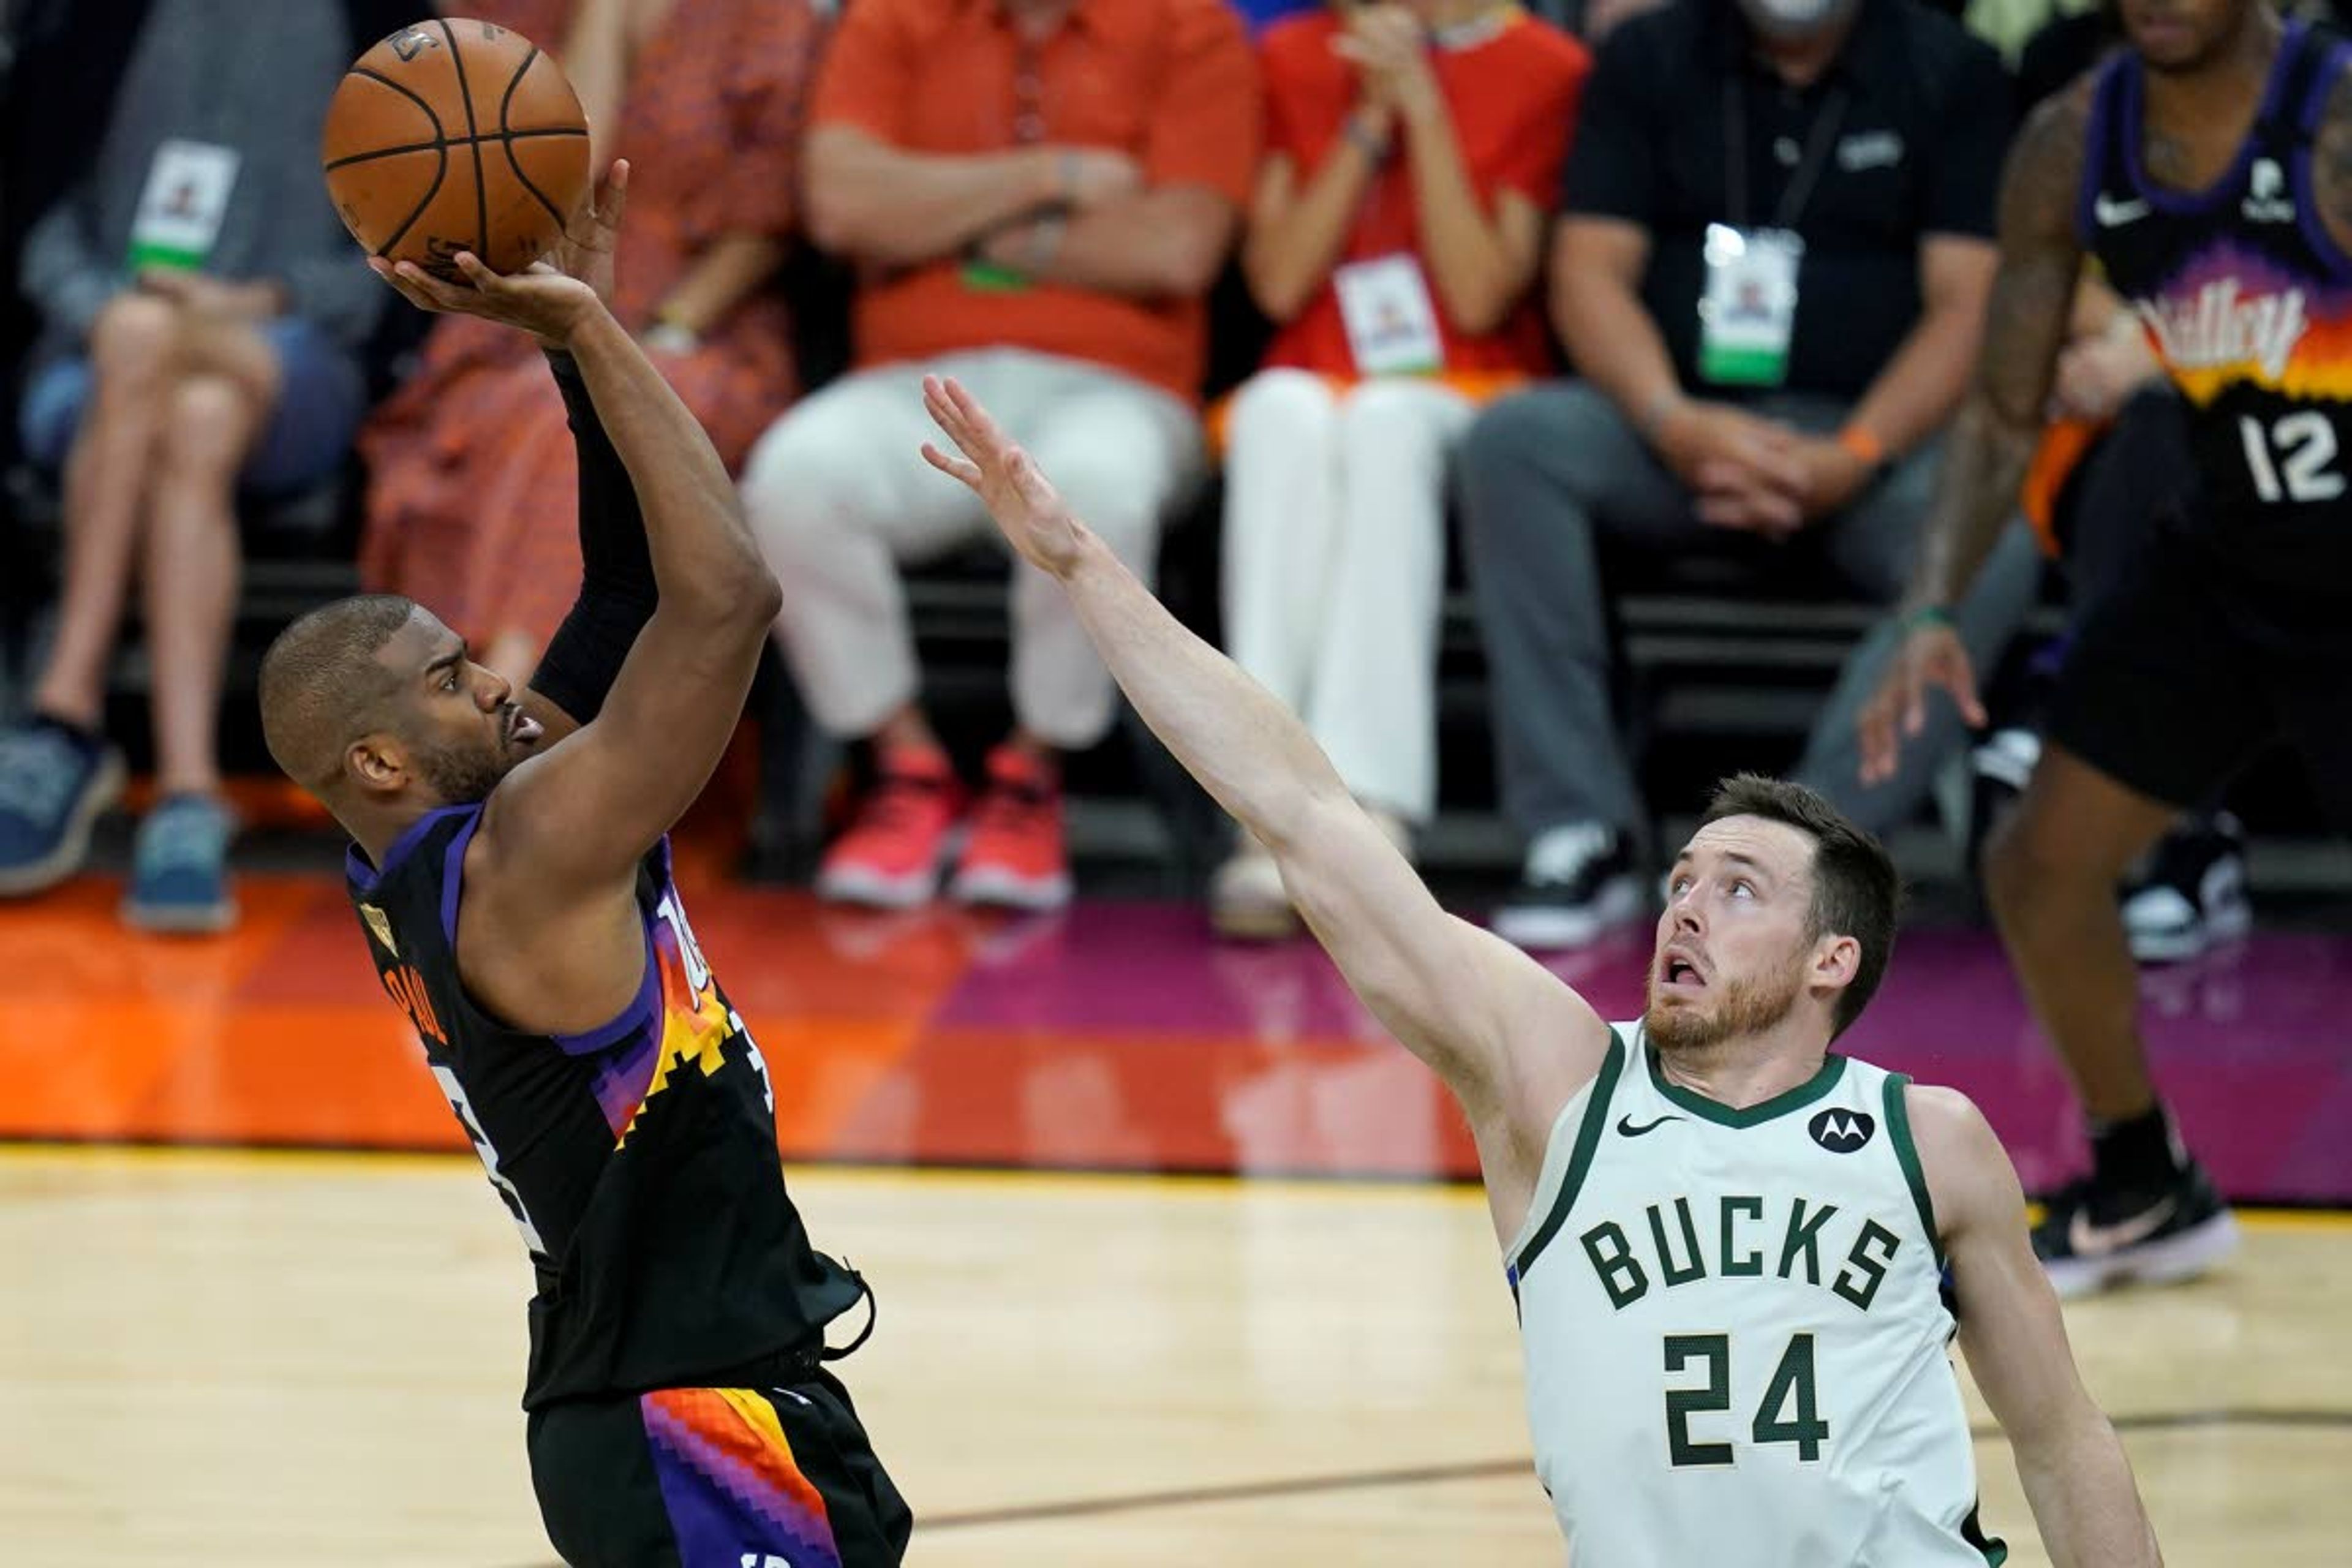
(464, 773)
(1679, 1021)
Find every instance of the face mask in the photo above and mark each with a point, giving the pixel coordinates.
(1793, 18)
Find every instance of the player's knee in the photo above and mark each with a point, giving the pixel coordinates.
(208, 425)
(134, 339)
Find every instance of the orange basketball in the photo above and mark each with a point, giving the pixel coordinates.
(455, 135)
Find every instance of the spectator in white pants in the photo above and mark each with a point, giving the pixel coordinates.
(1395, 237)
(1056, 262)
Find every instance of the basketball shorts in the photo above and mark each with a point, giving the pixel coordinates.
(2181, 673)
(716, 1478)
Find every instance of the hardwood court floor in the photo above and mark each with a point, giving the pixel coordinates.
(211, 1358)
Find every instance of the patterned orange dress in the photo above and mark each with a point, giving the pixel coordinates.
(471, 506)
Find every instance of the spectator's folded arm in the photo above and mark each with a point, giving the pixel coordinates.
(872, 200)
(1163, 244)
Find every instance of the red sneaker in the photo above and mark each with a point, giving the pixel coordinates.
(1016, 859)
(891, 856)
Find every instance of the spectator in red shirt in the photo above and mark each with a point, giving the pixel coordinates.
(1412, 147)
(1038, 194)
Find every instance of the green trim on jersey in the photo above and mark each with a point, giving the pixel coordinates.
(1833, 1069)
(1906, 1155)
(1587, 1140)
(1995, 1549)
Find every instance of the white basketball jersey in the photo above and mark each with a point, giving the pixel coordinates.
(1735, 1330)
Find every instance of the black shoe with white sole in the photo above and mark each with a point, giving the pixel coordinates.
(2093, 1236)
(2194, 896)
(1579, 882)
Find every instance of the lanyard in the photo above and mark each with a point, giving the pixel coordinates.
(1800, 188)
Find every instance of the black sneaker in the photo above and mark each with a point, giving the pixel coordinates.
(2093, 1236)
(2194, 896)
(1579, 880)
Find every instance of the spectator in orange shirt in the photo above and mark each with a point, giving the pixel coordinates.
(1039, 194)
(472, 478)
(1412, 148)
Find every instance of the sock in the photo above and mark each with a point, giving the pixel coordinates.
(2135, 1155)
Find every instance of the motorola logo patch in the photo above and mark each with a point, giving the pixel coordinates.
(1842, 1131)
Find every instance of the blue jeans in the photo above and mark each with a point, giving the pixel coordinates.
(321, 398)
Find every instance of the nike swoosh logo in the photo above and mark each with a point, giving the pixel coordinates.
(1626, 1125)
(2115, 214)
(2090, 1240)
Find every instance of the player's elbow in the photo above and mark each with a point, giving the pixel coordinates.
(763, 597)
(742, 594)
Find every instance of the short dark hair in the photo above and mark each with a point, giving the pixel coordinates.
(1855, 890)
(321, 687)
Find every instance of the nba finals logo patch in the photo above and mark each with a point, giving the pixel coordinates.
(382, 927)
(1842, 1131)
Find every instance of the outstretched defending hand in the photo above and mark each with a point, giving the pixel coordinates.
(1017, 494)
(551, 297)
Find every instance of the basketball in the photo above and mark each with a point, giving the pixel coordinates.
(455, 135)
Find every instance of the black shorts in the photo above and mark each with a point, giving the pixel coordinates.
(2181, 672)
(716, 1478)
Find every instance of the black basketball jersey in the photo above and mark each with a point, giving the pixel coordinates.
(639, 1159)
(2248, 300)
